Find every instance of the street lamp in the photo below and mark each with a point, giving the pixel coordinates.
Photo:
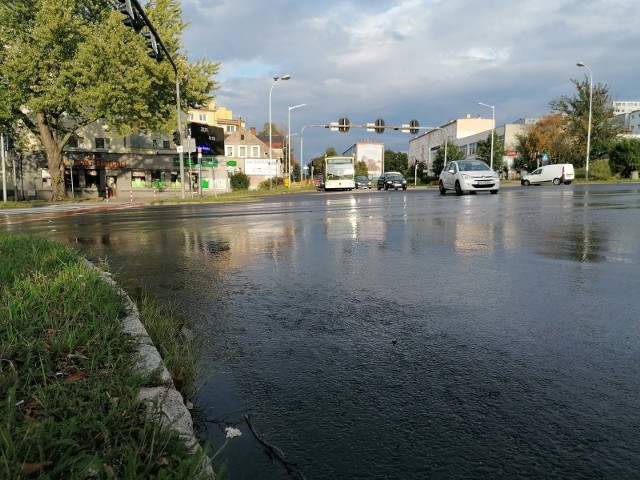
(493, 126)
(586, 167)
(289, 142)
(275, 80)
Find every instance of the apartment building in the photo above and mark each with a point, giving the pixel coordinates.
(100, 164)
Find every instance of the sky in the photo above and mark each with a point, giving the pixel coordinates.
(400, 60)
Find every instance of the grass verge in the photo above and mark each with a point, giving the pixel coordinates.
(67, 380)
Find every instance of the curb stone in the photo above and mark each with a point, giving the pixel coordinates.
(170, 410)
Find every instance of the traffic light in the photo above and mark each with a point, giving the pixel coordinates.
(379, 126)
(176, 137)
(154, 47)
(134, 19)
(343, 124)
(413, 127)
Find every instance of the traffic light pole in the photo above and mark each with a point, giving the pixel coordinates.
(148, 23)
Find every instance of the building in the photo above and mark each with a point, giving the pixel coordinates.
(250, 155)
(465, 133)
(97, 164)
(625, 106)
(371, 153)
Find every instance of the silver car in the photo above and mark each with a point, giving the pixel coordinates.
(468, 176)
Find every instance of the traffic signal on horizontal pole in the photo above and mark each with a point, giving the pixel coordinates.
(343, 124)
(379, 126)
(134, 19)
(413, 127)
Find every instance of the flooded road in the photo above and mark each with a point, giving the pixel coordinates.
(384, 335)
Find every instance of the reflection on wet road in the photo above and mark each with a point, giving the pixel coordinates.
(402, 334)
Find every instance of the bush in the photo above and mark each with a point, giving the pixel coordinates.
(598, 170)
(239, 181)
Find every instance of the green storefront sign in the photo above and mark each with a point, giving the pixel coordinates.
(210, 162)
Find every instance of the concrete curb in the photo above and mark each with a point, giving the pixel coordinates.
(166, 404)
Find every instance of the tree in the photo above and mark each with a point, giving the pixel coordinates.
(483, 151)
(624, 157)
(395, 161)
(317, 163)
(265, 129)
(361, 169)
(576, 113)
(453, 153)
(64, 65)
(548, 136)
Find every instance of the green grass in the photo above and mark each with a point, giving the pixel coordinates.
(67, 381)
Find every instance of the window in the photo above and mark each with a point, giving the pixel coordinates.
(472, 148)
(76, 142)
(242, 137)
(103, 143)
(231, 128)
(202, 117)
(138, 180)
(166, 145)
(155, 143)
(191, 116)
(242, 151)
(255, 151)
(228, 150)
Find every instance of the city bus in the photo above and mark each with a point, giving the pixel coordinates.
(339, 173)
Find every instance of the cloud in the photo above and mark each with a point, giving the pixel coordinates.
(432, 60)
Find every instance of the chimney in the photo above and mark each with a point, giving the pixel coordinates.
(252, 130)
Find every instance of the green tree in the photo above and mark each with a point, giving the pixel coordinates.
(361, 168)
(395, 161)
(265, 129)
(576, 112)
(317, 163)
(624, 157)
(66, 64)
(453, 153)
(239, 181)
(483, 151)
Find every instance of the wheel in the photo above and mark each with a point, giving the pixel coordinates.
(568, 182)
(556, 181)
(404, 188)
(493, 192)
(379, 188)
(441, 188)
(386, 187)
(458, 189)
(526, 183)
(395, 188)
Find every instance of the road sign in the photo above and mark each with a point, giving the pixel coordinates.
(180, 149)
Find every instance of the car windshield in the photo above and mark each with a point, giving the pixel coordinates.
(394, 176)
(362, 179)
(473, 166)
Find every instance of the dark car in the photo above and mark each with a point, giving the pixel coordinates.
(393, 180)
(362, 182)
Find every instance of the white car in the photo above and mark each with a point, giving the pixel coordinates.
(468, 176)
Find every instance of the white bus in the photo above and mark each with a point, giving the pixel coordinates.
(339, 173)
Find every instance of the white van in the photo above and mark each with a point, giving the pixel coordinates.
(556, 174)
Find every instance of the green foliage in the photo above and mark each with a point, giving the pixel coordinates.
(598, 170)
(624, 157)
(483, 151)
(361, 169)
(453, 153)
(239, 181)
(66, 64)
(395, 161)
(69, 384)
(576, 113)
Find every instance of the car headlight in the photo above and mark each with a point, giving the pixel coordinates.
(465, 177)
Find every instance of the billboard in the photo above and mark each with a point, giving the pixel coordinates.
(372, 155)
(260, 166)
(209, 139)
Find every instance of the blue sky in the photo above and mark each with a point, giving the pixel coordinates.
(399, 60)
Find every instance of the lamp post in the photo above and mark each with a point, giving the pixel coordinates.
(586, 166)
(493, 127)
(289, 141)
(275, 80)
